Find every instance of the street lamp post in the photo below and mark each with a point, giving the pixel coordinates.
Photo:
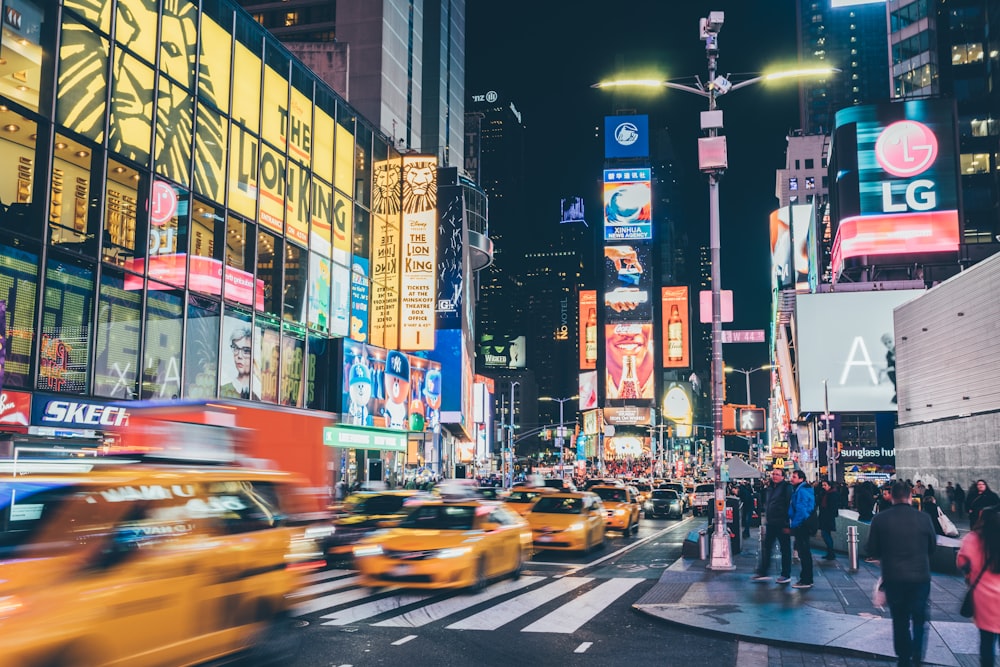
(712, 161)
(561, 437)
(747, 372)
(509, 465)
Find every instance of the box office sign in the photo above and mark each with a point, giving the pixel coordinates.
(630, 415)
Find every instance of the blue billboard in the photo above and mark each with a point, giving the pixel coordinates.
(626, 136)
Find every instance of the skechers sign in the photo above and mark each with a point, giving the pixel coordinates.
(626, 136)
(77, 413)
(897, 181)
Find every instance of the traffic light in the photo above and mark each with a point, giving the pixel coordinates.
(750, 420)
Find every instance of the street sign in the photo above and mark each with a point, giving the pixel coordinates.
(743, 336)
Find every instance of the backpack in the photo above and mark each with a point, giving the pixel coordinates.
(811, 524)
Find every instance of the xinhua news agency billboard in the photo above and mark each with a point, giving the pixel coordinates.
(896, 188)
(848, 340)
(628, 204)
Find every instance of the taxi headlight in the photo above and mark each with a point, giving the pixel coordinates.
(455, 552)
(10, 605)
(368, 550)
(648, 505)
(619, 512)
(576, 526)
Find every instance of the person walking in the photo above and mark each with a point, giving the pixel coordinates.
(979, 559)
(903, 538)
(800, 525)
(864, 500)
(958, 505)
(984, 497)
(745, 493)
(829, 507)
(776, 502)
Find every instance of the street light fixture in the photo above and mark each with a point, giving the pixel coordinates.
(508, 476)
(747, 372)
(561, 437)
(713, 161)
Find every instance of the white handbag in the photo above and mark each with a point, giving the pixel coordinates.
(878, 594)
(949, 528)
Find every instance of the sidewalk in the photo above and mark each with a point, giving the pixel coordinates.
(836, 615)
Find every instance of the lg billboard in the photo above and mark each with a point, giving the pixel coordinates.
(846, 339)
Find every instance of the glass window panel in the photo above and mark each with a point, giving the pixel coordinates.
(205, 261)
(174, 125)
(272, 188)
(297, 198)
(64, 358)
(240, 284)
(210, 154)
(97, 13)
(363, 166)
(18, 289)
(269, 260)
(201, 354)
(238, 245)
(119, 319)
(270, 350)
(318, 373)
(295, 284)
(21, 66)
(161, 366)
(274, 122)
(247, 70)
(130, 129)
(179, 41)
(322, 157)
(343, 169)
(239, 364)
(975, 163)
(168, 233)
(243, 171)
(17, 175)
(321, 216)
(319, 292)
(135, 27)
(216, 52)
(292, 383)
(360, 240)
(83, 80)
(120, 211)
(72, 220)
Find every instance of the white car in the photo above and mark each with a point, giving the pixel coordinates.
(704, 494)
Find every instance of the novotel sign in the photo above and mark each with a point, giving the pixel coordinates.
(896, 187)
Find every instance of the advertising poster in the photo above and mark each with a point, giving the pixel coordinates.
(359, 300)
(588, 390)
(626, 447)
(629, 360)
(571, 210)
(803, 215)
(318, 310)
(269, 345)
(292, 381)
(419, 253)
(627, 205)
(588, 330)
(425, 394)
(628, 281)
(626, 136)
(449, 257)
(3, 338)
(847, 339)
(239, 367)
(321, 216)
(378, 390)
(678, 408)
(341, 307)
(272, 188)
(676, 327)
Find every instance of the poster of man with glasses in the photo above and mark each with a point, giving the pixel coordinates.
(241, 377)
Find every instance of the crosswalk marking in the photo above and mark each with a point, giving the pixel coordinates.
(435, 612)
(327, 601)
(373, 608)
(494, 617)
(323, 575)
(327, 586)
(568, 618)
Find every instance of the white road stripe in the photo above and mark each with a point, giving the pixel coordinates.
(501, 614)
(323, 575)
(435, 612)
(400, 642)
(582, 648)
(326, 587)
(568, 618)
(373, 608)
(327, 601)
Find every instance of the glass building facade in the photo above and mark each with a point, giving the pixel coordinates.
(186, 209)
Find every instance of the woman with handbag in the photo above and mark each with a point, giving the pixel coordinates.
(979, 558)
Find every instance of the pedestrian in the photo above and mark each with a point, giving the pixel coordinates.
(801, 526)
(980, 499)
(958, 504)
(776, 502)
(949, 491)
(903, 538)
(829, 506)
(864, 497)
(885, 500)
(746, 499)
(930, 507)
(979, 559)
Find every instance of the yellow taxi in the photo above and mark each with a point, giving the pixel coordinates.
(360, 515)
(138, 564)
(622, 508)
(567, 521)
(446, 543)
(522, 498)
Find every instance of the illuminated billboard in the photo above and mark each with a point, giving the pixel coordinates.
(626, 136)
(803, 215)
(390, 389)
(896, 191)
(418, 302)
(628, 281)
(627, 205)
(676, 327)
(847, 339)
(588, 390)
(571, 210)
(628, 360)
(626, 447)
(383, 315)
(588, 329)
(502, 352)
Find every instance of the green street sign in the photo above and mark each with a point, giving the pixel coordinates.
(359, 437)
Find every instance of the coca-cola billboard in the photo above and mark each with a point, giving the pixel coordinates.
(15, 408)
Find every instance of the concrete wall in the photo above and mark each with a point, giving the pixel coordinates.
(954, 450)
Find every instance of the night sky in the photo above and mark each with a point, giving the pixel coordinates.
(545, 54)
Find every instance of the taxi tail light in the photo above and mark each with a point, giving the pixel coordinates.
(10, 605)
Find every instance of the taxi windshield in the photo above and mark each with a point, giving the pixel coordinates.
(441, 517)
(522, 496)
(611, 495)
(388, 504)
(26, 507)
(551, 505)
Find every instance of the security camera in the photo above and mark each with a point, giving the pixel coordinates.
(715, 20)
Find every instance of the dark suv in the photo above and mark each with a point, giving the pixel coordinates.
(664, 502)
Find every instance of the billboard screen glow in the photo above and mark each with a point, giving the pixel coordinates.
(627, 204)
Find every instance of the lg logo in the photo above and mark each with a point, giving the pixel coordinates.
(627, 134)
(905, 149)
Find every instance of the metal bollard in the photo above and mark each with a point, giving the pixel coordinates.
(703, 544)
(852, 547)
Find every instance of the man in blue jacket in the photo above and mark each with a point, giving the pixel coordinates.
(800, 510)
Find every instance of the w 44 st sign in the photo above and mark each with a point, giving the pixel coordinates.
(743, 336)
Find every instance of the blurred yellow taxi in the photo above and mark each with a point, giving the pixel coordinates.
(360, 515)
(136, 564)
(462, 543)
(567, 521)
(522, 498)
(621, 507)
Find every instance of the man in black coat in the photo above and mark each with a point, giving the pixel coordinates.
(829, 508)
(776, 527)
(903, 538)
